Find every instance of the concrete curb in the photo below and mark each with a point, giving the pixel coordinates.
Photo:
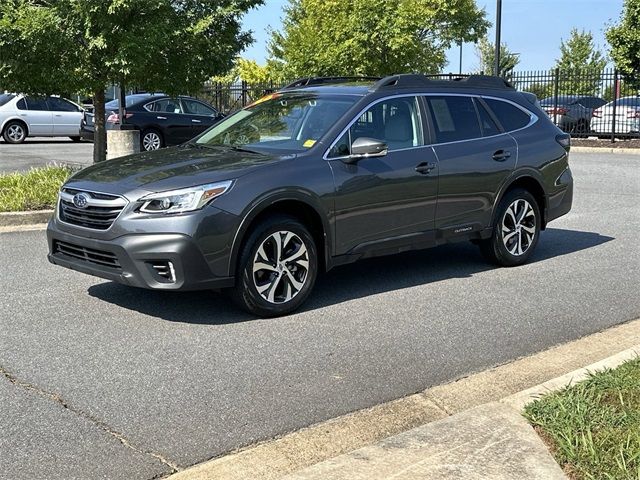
(523, 398)
(294, 452)
(9, 219)
(621, 151)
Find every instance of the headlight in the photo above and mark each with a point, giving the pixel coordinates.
(183, 200)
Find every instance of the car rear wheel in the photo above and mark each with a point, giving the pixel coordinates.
(151, 140)
(15, 132)
(277, 268)
(516, 230)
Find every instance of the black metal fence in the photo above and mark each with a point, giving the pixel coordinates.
(583, 103)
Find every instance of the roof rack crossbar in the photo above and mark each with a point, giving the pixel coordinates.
(418, 80)
(310, 81)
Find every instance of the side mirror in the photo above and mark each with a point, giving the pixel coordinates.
(364, 147)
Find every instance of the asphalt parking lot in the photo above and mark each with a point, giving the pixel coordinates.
(105, 381)
(39, 151)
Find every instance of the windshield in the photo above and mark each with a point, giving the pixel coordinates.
(6, 98)
(290, 123)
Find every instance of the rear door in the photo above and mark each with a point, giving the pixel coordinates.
(35, 111)
(475, 157)
(168, 115)
(202, 116)
(66, 117)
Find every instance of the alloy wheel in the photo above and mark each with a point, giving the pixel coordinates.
(151, 141)
(15, 133)
(280, 267)
(518, 227)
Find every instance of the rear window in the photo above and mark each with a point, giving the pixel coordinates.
(6, 98)
(628, 102)
(129, 100)
(510, 116)
(453, 118)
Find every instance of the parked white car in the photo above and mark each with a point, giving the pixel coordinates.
(24, 116)
(627, 117)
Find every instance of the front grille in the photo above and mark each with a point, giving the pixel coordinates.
(99, 213)
(98, 257)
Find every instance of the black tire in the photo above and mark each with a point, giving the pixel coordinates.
(278, 279)
(75, 139)
(518, 246)
(149, 138)
(15, 132)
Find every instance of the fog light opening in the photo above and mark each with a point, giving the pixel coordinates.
(165, 270)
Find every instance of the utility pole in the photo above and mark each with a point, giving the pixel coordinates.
(460, 56)
(496, 70)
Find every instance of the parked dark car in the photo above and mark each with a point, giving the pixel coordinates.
(163, 121)
(320, 175)
(572, 113)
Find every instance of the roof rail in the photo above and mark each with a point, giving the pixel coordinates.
(412, 80)
(310, 81)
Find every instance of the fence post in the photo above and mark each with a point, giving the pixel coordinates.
(556, 89)
(244, 93)
(616, 86)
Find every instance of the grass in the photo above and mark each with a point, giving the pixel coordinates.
(593, 427)
(36, 189)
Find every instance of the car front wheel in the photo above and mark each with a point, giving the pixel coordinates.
(516, 230)
(277, 269)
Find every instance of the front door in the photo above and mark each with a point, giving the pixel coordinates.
(382, 202)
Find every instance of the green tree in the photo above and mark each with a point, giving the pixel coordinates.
(83, 46)
(372, 37)
(624, 39)
(486, 52)
(580, 64)
(541, 90)
(251, 72)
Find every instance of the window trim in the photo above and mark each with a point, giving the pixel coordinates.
(375, 102)
(425, 118)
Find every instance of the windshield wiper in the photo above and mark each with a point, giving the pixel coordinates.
(237, 148)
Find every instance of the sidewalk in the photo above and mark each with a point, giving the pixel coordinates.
(492, 441)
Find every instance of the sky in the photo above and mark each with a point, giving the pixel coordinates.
(532, 28)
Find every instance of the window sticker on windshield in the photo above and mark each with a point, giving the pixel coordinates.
(309, 143)
(263, 99)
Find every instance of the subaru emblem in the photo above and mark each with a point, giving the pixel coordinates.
(80, 200)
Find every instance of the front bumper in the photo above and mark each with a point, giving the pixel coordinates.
(131, 259)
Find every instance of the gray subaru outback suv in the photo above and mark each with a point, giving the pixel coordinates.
(319, 174)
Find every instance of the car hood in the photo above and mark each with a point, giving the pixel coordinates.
(168, 169)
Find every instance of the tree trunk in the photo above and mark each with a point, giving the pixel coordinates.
(100, 133)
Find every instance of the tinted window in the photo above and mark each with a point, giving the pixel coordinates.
(342, 148)
(6, 98)
(197, 108)
(489, 127)
(628, 102)
(166, 105)
(453, 118)
(510, 116)
(60, 105)
(37, 103)
(22, 104)
(128, 101)
(395, 121)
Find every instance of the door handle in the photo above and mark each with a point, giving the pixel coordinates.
(501, 155)
(161, 118)
(196, 121)
(58, 115)
(425, 168)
